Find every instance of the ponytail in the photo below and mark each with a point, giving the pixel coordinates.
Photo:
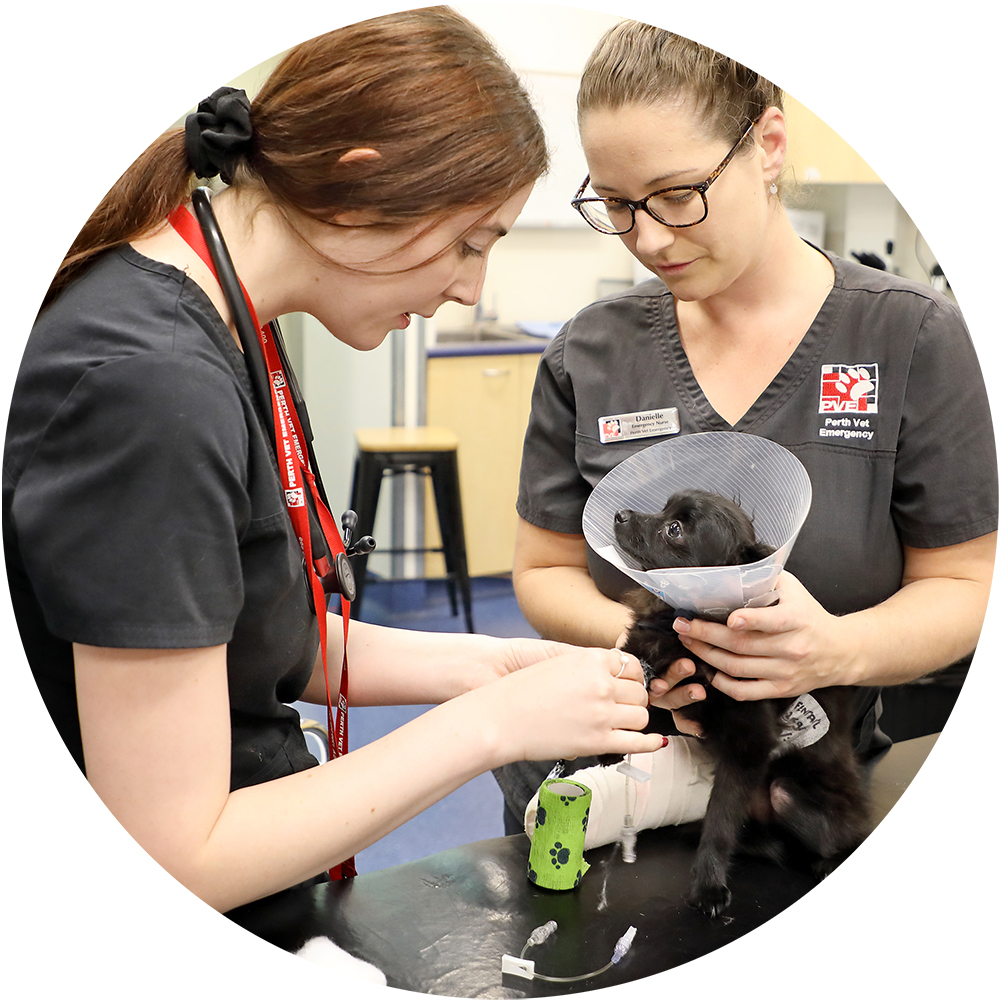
(451, 123)
(143, 197)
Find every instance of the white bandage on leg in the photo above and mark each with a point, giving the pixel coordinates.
(676, 794)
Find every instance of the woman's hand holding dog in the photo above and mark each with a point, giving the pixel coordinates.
(796, 645)
(786, 649)
(670, 692)
(579, 703)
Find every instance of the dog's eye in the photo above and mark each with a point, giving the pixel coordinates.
(675, 530)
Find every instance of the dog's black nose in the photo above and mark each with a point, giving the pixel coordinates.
(622, 516)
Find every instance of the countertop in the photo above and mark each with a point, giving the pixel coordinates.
(441, 925)
(493, 341)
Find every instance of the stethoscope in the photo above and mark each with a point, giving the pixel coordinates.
(341, 578)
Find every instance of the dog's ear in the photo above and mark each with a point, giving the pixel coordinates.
(750, 552)
(643, 602)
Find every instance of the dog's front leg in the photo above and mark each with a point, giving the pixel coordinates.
(728, 808)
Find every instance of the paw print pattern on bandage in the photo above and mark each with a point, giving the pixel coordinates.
(855, 382)
(560, 855)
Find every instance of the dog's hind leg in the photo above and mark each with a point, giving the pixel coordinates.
(824, 804)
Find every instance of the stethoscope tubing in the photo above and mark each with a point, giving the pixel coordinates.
(341, 577)
(232, 291)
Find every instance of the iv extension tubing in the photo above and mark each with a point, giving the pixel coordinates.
(518, 966)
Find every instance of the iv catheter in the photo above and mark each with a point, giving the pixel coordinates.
(629, 833)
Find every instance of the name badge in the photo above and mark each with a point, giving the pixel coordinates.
(644, 424)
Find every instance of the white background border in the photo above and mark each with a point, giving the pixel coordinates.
(89, 86)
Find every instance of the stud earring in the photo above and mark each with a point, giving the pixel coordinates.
(773, 189)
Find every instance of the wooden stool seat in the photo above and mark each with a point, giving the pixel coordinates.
(432, 451)
(406, 440)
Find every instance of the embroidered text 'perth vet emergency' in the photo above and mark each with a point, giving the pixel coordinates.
(848, 401)
(644, 424)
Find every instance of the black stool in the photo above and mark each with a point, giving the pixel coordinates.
(433, 452)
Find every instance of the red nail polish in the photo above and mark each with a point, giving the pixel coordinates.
(666, 740)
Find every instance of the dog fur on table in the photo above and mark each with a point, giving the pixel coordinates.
(800, 803)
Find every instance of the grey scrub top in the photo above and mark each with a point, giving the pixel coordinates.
(883, 402)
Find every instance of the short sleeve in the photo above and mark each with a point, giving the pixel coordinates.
(129, 511)
(945, 489)
(552, 492)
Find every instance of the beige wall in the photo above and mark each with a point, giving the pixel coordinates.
(541, 274)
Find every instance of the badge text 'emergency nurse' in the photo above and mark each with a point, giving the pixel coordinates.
(644, 424)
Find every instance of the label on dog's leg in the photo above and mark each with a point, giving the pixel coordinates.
(802, 724)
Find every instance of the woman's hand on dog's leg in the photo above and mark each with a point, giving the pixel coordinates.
(664, 694)
(582, 703)
(670, 692)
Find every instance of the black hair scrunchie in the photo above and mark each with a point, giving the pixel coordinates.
(218, 133)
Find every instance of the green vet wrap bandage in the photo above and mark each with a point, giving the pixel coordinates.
(556, 859)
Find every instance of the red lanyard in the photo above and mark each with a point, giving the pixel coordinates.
(299, 485)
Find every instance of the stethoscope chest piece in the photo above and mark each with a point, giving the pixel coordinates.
(340, 580)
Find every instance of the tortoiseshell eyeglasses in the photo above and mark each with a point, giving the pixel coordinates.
(678, 207)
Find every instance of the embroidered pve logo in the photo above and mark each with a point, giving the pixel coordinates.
(849, 389)
(610, 428)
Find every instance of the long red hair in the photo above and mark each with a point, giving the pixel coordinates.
(451, 122)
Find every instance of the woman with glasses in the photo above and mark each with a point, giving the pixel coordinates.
(871, 380)
(164, 576)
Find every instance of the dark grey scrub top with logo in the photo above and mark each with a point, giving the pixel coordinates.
(883, 402)
(142, 506)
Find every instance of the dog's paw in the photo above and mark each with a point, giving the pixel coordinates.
(822, 867)
(712, 900)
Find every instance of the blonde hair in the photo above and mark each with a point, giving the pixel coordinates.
(639, 64)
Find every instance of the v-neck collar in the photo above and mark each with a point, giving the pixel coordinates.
(796, 368)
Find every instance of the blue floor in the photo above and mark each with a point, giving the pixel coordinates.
(475, 811)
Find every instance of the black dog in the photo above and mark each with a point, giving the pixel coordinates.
(800, 805)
